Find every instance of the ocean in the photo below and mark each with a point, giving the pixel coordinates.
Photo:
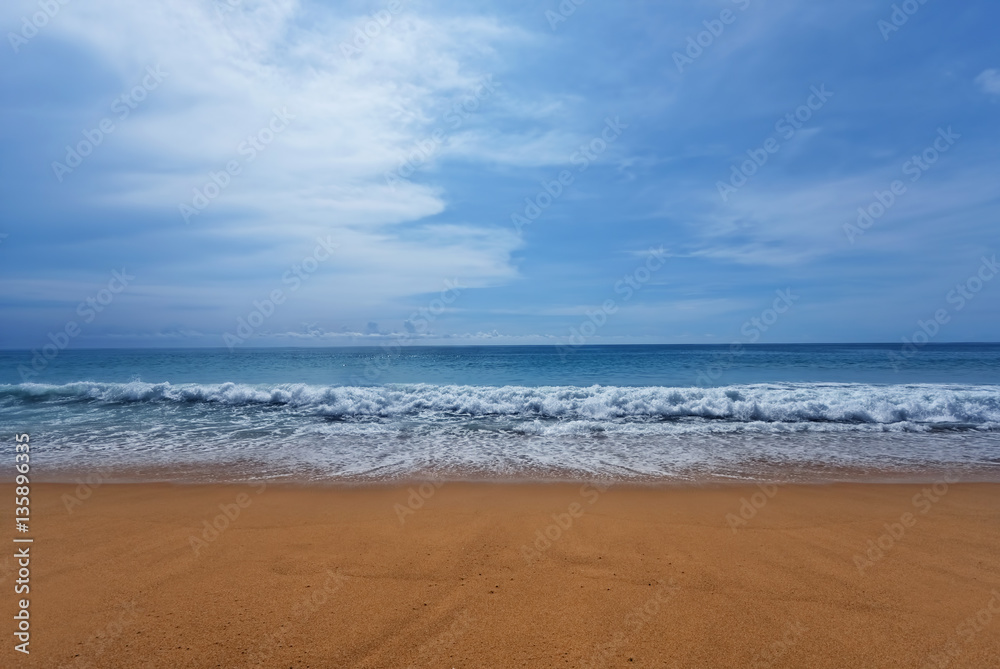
(398, 412)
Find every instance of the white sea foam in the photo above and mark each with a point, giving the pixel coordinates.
(239, 431)
(972, 406)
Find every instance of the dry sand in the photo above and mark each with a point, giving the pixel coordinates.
(335, 577)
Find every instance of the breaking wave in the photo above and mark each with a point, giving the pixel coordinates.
(956, 406)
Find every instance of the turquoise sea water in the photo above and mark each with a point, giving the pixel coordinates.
(402, 411)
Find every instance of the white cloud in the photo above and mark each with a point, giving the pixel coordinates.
(989, 82)
(355, 119)
(780, 223)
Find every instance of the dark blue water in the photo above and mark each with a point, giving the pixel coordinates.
(678, 366)
(618, 412)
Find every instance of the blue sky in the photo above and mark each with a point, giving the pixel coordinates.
(411, 153)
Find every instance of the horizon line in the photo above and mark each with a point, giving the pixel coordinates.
(481, 345)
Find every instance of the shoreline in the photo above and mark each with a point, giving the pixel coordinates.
(782, 476)
(529, 574)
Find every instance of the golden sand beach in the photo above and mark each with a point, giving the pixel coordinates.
(512, 575)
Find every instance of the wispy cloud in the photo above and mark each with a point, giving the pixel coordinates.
(357, 108)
